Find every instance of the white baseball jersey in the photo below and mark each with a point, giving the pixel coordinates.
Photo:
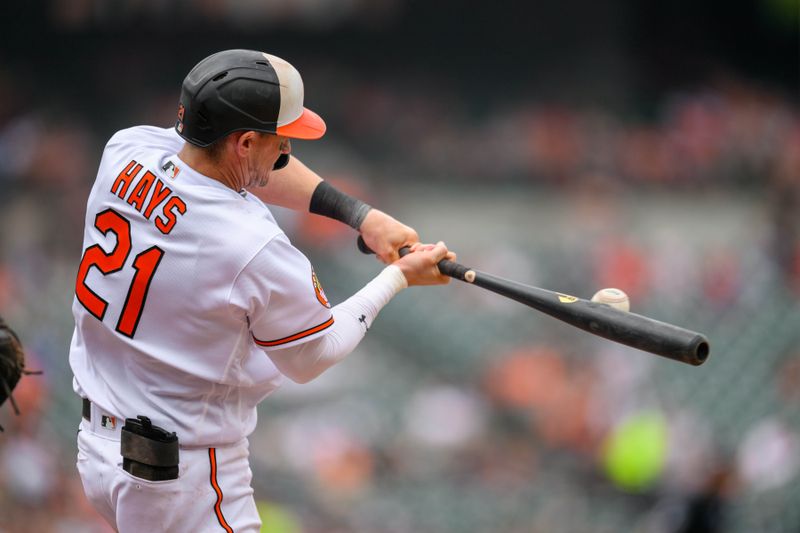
(181, 280)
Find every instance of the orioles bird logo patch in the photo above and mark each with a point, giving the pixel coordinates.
(318, 290)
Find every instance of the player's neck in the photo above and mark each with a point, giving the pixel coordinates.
(201, 163)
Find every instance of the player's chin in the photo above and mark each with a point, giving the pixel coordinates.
(260, 181)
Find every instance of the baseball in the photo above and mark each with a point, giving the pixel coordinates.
(613, 297)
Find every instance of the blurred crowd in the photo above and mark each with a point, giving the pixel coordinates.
(318, 14)
(729, 132)
(534, 419)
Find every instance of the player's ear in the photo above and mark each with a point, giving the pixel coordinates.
(245, 143)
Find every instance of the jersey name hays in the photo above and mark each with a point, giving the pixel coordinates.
(133, 186)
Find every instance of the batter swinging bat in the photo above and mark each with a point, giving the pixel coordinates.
(626, 328)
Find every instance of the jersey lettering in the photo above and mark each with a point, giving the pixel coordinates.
(173, 204)
(123, 181)
(144, 263)
(160, 193)
(129, 176)
(107, 263)
(136, 199)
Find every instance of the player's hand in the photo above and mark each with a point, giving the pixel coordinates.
(419, 265)
(385, 236)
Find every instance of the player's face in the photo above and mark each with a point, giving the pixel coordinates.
(269, 148)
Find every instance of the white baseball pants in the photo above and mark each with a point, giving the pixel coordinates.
(211, 494)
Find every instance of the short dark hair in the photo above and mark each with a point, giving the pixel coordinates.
(214, 150)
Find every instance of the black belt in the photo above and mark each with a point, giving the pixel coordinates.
(107, 421)
(148, 452)
(87, 409)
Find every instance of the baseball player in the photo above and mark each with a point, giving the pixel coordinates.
(191, 304)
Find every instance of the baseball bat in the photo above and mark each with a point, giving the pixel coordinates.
(631, 329)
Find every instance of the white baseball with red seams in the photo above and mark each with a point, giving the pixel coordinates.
(614, 297)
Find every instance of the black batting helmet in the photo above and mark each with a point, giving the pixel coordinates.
(238, 90)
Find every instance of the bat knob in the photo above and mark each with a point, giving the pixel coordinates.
(362, 246)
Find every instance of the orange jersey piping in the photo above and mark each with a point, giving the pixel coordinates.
(305, 333)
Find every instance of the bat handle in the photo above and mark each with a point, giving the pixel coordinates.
(448, 268)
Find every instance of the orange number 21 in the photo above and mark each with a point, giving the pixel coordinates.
(144, 263)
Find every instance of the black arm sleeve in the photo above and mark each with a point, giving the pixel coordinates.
(329, 201)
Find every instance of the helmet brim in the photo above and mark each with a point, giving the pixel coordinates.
(308, 126)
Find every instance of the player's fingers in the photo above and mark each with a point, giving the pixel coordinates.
(389, 257)
(425, 248)
(411, 238)
(439, 250)
(390, 254)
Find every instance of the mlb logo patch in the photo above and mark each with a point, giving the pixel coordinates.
(170, 169)
(108, 422)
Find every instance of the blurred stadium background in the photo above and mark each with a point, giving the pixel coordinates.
(650, 146)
